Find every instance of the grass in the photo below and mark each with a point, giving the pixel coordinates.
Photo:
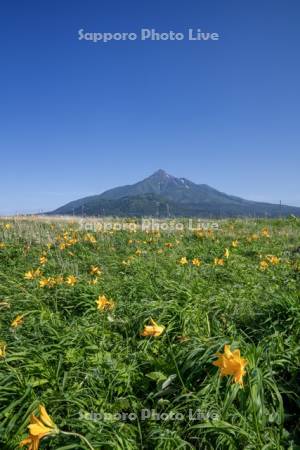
(92, 368)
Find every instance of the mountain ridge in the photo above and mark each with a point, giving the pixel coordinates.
(165, 195)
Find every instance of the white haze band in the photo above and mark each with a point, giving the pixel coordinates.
(148, 34)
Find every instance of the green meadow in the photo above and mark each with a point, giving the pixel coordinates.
(77, 336)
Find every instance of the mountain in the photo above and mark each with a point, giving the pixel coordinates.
(164, 195)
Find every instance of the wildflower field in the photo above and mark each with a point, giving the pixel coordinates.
(149, 340)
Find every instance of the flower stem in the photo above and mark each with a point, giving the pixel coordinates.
(70, 433)
(175, 363)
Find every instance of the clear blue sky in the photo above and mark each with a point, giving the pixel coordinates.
(77, 118)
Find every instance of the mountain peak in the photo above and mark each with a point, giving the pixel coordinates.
(166, 195)
(160, 173)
